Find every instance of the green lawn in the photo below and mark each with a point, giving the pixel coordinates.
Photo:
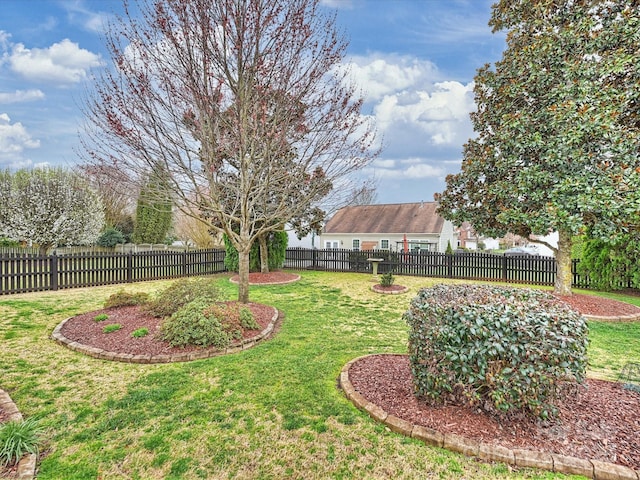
(270, 412)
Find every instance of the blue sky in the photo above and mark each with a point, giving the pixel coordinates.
(414, 59)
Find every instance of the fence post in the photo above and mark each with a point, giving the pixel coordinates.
(129, 267)
(504, 268)
(53, 268)
(449, 260)
(314, 257)
(184, 263)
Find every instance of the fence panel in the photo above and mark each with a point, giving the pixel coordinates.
(21, 273)
(534, 270)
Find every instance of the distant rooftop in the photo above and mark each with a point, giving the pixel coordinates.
(418, 217)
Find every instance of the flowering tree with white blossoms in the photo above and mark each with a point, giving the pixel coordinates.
(49, 207)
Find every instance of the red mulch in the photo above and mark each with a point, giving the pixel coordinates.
(388, 288)
(599, 306)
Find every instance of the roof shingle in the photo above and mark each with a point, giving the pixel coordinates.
(418, 217)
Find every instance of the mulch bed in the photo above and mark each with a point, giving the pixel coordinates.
(389, 289)
(85, 330)
(601, 422)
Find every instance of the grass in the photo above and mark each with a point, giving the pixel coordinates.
(269, 412)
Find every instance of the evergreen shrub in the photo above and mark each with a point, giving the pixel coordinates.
(505, 350)
(126, 299)
(180, 293)
(110, 238)
(199, 323)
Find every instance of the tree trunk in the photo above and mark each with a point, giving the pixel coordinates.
(564, 274)
(264, 254)
(243, 272)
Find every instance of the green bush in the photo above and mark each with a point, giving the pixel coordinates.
(180, 293)
(18, 438)
(114, 327)
(247, 320)
(110, 238)
(199, 323)
(126, 299)
(140, 332)
(101, 317)
(507, 350)
(387, 279)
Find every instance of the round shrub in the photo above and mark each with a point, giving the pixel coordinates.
(110, 238)
(126, 299)
(180, 293)
(196, 324)
(506, 350)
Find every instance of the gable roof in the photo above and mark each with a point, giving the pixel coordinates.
(418, 217)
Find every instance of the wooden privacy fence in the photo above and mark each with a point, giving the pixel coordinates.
(31, 273)
(534, 270)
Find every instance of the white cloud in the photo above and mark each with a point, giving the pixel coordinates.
(21, 96)
(411, 168)
(4, 40)
(337, 3)
(380, 75)
(14, 139)
(62, 63)
(442, 115)
(79, 13)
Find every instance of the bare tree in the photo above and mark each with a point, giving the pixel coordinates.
(192, 230)
(114, 188)
(242, 103)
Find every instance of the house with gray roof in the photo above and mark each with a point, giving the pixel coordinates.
(394, 227)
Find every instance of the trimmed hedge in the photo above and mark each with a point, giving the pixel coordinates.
(505, 350)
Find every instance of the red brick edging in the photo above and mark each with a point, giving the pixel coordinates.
(27, 464)
(485, 451)
(163, 358)
(621, 318)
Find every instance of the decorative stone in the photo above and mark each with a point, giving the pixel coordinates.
(460, 444)
(376, 412)
(611, 471)
(428, 435)
(496, 453)
(533, 459)
(399, 425)
(572, 465)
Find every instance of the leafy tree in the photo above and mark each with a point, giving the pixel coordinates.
(611, 266)
(49, 207)
(240, 101)
(273, 246)
(558, 125)
(153, 212)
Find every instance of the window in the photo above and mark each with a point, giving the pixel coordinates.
(384, 244)
(356, 244)
(329, 244)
